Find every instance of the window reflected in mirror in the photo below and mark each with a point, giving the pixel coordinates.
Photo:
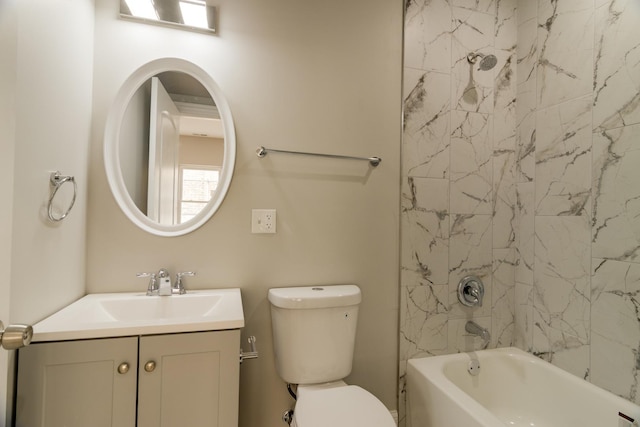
(197, 186)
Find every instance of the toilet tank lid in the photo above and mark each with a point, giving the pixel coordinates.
(306, 297)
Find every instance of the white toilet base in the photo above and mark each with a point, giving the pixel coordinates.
(337, 404)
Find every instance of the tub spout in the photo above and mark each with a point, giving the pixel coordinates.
(475, 329)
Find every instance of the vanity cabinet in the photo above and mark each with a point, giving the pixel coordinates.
(195, 381)
(185, 379)
(76, 383)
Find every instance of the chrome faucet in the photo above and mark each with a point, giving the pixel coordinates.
(164, 282)
(474, 329)
(152, 288)
(178, 286)
(159, 283)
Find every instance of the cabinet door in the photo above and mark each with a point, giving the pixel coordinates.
(77, 384)
(190, 380)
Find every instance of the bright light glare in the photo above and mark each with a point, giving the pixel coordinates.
(194, 14)
(142, 9)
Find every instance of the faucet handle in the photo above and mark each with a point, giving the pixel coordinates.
(152, 289)
(178, 287)
(471, 291)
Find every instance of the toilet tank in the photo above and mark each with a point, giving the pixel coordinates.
(314, 331)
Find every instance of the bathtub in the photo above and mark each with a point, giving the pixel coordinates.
(510, 388)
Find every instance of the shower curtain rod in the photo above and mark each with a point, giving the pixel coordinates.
(262, 151)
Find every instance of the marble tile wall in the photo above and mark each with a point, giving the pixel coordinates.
(526, 176)
(578, 233)
(459, 200)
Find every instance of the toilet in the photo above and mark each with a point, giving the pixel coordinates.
(314, 331)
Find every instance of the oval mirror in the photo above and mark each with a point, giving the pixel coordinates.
(169, 147)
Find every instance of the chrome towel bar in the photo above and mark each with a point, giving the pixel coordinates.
(262, 151)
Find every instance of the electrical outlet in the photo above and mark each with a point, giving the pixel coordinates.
(263, 221)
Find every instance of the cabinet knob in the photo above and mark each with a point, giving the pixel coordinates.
(150, 366)
(123, 368)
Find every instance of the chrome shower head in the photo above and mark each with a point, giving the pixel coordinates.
(487, 62)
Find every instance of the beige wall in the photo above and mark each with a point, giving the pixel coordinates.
(8, 51)
(53, 115)
(312, 76)
(45, 116)
(196, 150)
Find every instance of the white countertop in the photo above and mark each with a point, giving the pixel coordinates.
(127, 314)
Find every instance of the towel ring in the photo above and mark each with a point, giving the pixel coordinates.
(56, 180)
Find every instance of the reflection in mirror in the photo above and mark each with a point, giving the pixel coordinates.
(171, 147)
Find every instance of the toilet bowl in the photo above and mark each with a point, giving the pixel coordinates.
(338, 404)
(314, 331)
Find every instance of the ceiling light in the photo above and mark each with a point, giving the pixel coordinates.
(142, 9)
(194, 14)
(190, 15)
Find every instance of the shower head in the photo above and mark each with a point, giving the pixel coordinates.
(487, 62)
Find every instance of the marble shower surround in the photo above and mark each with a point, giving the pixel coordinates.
(526, 175)
(578, 115)
(459, 175)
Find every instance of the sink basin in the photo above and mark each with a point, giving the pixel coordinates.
(126, 314)
(188, 306)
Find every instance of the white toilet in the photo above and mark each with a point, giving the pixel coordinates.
(314, 331)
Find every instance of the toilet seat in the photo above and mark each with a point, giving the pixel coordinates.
(339, 405)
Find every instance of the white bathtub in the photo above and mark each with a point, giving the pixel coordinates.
(512, 388)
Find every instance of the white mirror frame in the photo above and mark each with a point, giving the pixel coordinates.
(112, 146)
